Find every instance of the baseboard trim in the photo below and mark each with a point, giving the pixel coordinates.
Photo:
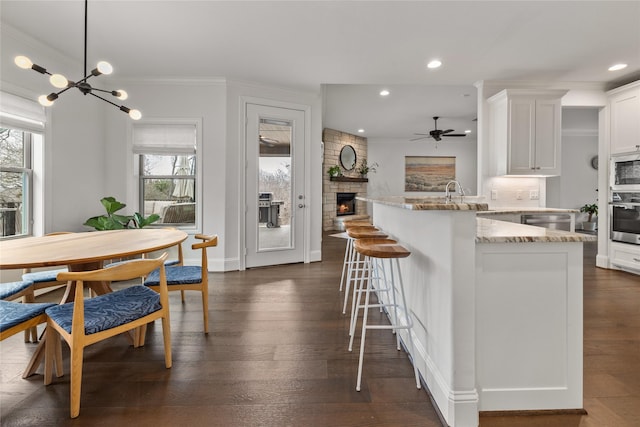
(533, 412)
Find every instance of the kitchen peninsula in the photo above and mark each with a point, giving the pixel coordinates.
(497, 307)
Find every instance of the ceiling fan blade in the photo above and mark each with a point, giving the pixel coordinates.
(423, 134)
(455, 134)
(446, 131)
(417, 139)
(269, 142)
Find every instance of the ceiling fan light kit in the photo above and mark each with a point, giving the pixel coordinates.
(61, 82)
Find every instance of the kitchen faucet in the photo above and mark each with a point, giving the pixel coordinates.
(447, 194)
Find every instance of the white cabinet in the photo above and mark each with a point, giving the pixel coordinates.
(624, 110)
(625, 257)
(524, 132)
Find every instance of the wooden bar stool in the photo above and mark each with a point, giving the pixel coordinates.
(349, 247)
(354, 262)
(378, 274)
(396, 309)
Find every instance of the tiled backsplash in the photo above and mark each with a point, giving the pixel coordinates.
(508, 192)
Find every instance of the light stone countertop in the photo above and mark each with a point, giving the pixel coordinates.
(469, 203)
(492, 231)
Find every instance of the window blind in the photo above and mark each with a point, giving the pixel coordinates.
(164, 138)
(21, 113)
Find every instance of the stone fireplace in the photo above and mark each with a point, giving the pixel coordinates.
(349, 182)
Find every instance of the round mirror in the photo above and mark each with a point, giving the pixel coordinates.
(348, 157)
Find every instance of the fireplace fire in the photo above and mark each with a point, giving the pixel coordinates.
(345, 204)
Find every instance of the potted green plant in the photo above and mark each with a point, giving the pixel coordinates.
(334, 171)
(365, 168)
(591, 210)
(113, 221)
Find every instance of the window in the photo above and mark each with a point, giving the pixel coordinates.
(166, 164)
(21, 125)
(15, 182)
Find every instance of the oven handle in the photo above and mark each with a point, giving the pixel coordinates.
(624, 205)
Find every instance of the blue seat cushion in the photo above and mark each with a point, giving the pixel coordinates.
(12, 288)
(109, 310)
(178, 275)
(15, 313)
(43, 276)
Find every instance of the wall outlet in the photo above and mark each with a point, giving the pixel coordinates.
(534, 195)
(494, 194)
(519, 195)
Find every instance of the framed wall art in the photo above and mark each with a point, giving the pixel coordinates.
(428, 173)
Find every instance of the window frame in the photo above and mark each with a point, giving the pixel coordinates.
(27, 189)
(138, 177)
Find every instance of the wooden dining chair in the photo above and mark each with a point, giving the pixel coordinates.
(17, 317)
(188, 277)
(21, 289)
(87, 321)
(173, 261)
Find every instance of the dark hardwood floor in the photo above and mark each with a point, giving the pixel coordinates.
(277, 356)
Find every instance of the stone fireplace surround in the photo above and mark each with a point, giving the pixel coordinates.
(333, 141)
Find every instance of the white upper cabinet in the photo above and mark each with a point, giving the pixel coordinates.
(624, 110)
(524, 132)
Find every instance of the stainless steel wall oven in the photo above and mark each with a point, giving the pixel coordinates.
(625, 217)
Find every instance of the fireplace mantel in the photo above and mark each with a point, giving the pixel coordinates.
(348, 179)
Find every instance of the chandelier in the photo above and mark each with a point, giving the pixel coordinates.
(59, 81)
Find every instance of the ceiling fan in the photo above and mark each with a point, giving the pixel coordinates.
(269, 142)
(436, 133)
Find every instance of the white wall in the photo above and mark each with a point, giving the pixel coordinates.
(579, 181)
(390, 156)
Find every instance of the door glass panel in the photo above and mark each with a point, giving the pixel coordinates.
(275, 196)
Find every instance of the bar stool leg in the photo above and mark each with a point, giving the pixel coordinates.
(347, 252)
(364, 334)
(409, 322)
(352, 275)
(356, 301)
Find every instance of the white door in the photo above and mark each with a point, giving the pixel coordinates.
(275, 202)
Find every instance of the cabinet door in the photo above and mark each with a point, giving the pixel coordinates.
(521, 135)
(547, 136)
(625, 121)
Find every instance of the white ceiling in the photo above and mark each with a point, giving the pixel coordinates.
(355, 48)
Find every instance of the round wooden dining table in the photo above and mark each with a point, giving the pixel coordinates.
(82, 249)
(81, 252)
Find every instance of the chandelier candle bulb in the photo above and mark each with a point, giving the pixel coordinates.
(135, 114)
(23, 62)
(58, 80)
(120, 94)
(104, 67)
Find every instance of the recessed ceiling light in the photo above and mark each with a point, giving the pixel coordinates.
(617, 67)
(467, 131)
(434, 64)
(360, 130)
(384, 92)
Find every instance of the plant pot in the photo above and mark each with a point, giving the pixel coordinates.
(589, 226)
